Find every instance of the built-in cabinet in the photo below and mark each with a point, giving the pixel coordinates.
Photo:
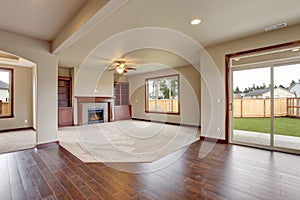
(65, 108)
(122, 109)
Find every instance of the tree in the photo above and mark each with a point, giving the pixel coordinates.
(292, 83)
(281, 86)
(253, 87)
(168, 88)
(237, 90)
(246, 90)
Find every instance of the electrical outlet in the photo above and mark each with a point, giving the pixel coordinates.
(25, 121)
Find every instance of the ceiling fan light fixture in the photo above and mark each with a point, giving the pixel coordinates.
(120, 70)
(122, 65)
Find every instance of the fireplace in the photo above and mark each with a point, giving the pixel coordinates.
(95, 115)
(86, 103)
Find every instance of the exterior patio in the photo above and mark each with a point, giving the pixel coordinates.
(283, 141)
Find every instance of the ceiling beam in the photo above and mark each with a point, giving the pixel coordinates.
(92, 13)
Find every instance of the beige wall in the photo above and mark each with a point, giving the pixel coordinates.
(105, 86)
(88, 80)
(218, 53)
(189, 96)
(23, 94)
(38, 52)
(92, 82)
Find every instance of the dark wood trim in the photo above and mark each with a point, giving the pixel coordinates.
(170, 123)
(267, 48)
(48, 144)
(81, 100)
(122, 112)
(10, 116)
(214, 140)
(68, 116)
(157, 112)
(17, 129)
(227, 71)
(146, 95)
(65, 78)
(11, 91)
(69, 68)
(65, 112)
(164, 76)
(227, 117)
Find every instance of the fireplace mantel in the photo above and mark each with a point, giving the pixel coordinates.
(84, 99)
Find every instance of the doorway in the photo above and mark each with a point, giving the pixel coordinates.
(18, 103)
(264, 104)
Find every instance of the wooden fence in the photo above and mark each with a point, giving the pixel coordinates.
(4, 110)
(164, 105)
(261, 107)
(293, 107)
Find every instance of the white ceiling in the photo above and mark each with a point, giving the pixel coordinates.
(40, 19)
(152, 60)
(222, 21)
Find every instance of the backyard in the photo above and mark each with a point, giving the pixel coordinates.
(283, 125)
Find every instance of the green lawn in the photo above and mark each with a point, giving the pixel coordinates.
(283, 125)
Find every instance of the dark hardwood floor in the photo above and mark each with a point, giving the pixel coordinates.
(227, 172)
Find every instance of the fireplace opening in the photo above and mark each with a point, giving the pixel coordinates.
(95, 116)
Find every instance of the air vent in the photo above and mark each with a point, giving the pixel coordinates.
(276, 26)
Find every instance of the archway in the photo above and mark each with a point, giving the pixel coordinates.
(18, 96)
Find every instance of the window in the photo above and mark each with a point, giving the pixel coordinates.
(6, 92)
(162, 94)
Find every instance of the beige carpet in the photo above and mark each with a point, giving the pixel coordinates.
(125, 141)
(17, 140)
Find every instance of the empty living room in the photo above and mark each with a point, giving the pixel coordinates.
(139, 99)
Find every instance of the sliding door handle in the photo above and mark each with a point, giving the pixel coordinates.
(230, 107)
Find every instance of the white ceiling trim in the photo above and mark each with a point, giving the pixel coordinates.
(100, 15)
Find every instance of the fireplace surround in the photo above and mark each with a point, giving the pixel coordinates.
(86, 103)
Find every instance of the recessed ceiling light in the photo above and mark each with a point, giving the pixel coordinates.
(195, 21)
(297, 49)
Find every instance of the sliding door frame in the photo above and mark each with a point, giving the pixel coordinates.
(228, 90)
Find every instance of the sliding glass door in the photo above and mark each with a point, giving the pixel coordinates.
(287, 106)
(251, 106)
(265, 109)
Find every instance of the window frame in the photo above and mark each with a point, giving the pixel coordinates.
(147, 94)
(11, 91)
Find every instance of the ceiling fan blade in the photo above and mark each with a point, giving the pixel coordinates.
(130, 68)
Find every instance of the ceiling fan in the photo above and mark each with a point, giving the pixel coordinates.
(120, 67)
